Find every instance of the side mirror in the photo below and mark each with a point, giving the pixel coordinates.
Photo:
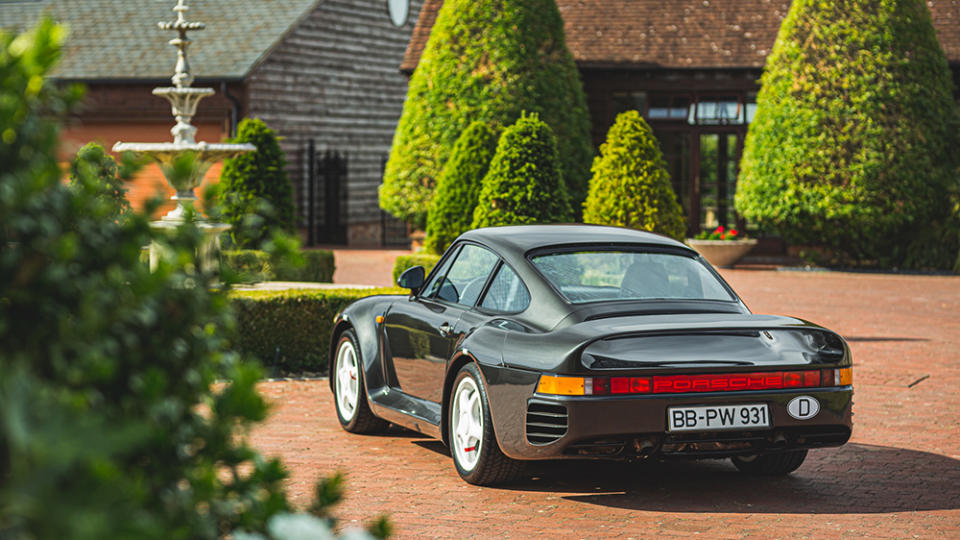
(412, 278)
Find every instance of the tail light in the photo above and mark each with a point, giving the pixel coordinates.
(676, 384)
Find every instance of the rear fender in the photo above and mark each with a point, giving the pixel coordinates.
(455, 365)
(482, 346)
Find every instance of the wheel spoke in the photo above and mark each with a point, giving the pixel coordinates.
(476, 430)
(474, 406)
(343, 377)
(463, 398)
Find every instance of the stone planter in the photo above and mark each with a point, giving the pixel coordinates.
(417, 238)
(722, 252)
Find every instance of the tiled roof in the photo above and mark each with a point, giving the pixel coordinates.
(678, 33)
(119, 39)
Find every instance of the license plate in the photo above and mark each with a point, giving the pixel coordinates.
(718, 417)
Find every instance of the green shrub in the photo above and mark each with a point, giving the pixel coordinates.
(523, 185)
(94, 163)
(486, 60)
(630, 185)
(111, 425)
(459, 186)
(317, 266)
(290, 330)
(255, 195)
(247, 265)
(853, 146)
(253, 265)
(403, 262)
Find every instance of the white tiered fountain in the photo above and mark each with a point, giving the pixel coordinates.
(171, 155)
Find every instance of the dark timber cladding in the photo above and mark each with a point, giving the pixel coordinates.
(692, 68)
(335, 78)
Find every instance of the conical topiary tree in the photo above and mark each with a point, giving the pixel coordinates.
(486, 60)
(630, 185)
(256, 196)
(523, 185)
(459, 186)
(854, 142)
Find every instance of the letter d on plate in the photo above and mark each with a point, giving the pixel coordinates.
(803, 407)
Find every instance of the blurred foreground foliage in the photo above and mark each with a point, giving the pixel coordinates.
(112, 420)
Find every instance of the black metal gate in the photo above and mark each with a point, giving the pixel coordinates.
(326, 181)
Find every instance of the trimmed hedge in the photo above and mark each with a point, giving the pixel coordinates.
(853, 146)
(523, 185)
(403, 262)
(253, 265)
(630, 185)
(290, 330)
(459, 186)
(318, 266)
(486, 60)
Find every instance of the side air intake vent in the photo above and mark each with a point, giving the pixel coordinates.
(546, 422)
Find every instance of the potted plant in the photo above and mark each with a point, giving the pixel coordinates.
(722, 247)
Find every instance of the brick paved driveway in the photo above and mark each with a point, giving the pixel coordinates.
(898, 477)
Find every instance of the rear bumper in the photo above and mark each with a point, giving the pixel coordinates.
(636, 426)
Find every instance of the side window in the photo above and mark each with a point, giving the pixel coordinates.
(507, 293)
(437, 276)
(467, 276)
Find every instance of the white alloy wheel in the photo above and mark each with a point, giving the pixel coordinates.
(348, 380)
(467, 420)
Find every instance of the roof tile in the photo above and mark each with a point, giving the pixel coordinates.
(678, 33)
(119, 39)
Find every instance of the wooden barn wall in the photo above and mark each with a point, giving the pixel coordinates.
(335, 78)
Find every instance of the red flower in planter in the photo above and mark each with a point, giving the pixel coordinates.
(720, 233)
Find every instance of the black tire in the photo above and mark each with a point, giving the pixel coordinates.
(777, 464)
(360, 419)
(491, 466)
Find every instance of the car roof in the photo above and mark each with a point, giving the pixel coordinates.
(548, 307)
(520, 239)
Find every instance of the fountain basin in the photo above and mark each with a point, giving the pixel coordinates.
(172, 158)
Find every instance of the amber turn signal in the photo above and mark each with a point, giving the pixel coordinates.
(561, 386)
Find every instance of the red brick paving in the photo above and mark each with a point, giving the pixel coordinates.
(899, 476)
(365, 266)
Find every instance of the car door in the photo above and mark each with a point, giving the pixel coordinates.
(420, 331)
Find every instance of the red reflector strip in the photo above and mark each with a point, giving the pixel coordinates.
(671, 384)
(629, 385)
(675, 384)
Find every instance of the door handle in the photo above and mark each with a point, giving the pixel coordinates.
(446, 329)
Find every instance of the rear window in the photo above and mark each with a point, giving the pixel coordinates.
(593, 276)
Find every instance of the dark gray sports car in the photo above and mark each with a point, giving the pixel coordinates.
(578, 341)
